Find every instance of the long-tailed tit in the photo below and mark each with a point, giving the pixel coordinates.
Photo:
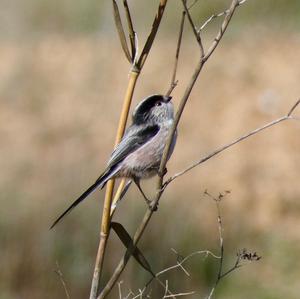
(139, 153)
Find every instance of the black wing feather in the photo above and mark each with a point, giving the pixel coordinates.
(134, 138)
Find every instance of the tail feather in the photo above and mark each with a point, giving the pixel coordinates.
(101, 181)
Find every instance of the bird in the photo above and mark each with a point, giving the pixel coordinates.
(139, 153)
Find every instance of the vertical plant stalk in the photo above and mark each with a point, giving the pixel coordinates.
(117, 197)
(135, 71)
(105, 224)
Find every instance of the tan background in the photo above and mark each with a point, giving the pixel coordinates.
(62, 80)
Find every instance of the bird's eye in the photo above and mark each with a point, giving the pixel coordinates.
(158, 104)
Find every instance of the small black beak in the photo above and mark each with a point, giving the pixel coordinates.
(167, 99)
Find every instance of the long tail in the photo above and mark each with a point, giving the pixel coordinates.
(101, 181)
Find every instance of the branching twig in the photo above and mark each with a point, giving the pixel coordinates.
(166, 290)
(130, 293)
(182, 261)
(214, 16)
(241, 255)
(239, 139)
(223, 28)
(179, 264)
(188, 92)
(192, 4)
(196, 34)
(140, 294)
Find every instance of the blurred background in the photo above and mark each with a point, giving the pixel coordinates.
(62, 81)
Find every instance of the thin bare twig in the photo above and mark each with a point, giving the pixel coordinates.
(221, 240)
(130, 293)
(239, 139)
(196, 34)
(140, 294)
(293, 108)
(241, 255)
(119, 289)
(166, 290)
(173, 80)
(180, 294)
(192, 4)
(61, 278)
(238, 264)
(214, 16)
(223, 28)
(220, 227)
(187, 93)
(179, 264)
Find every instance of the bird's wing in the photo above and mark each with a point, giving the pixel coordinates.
(133, 139)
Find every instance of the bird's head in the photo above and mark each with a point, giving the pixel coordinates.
(154, 109)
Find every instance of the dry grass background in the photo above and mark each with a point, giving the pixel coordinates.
(60, 102)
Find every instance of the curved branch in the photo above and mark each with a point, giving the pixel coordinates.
(239, 139)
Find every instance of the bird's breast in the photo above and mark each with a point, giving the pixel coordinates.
(144, 162)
